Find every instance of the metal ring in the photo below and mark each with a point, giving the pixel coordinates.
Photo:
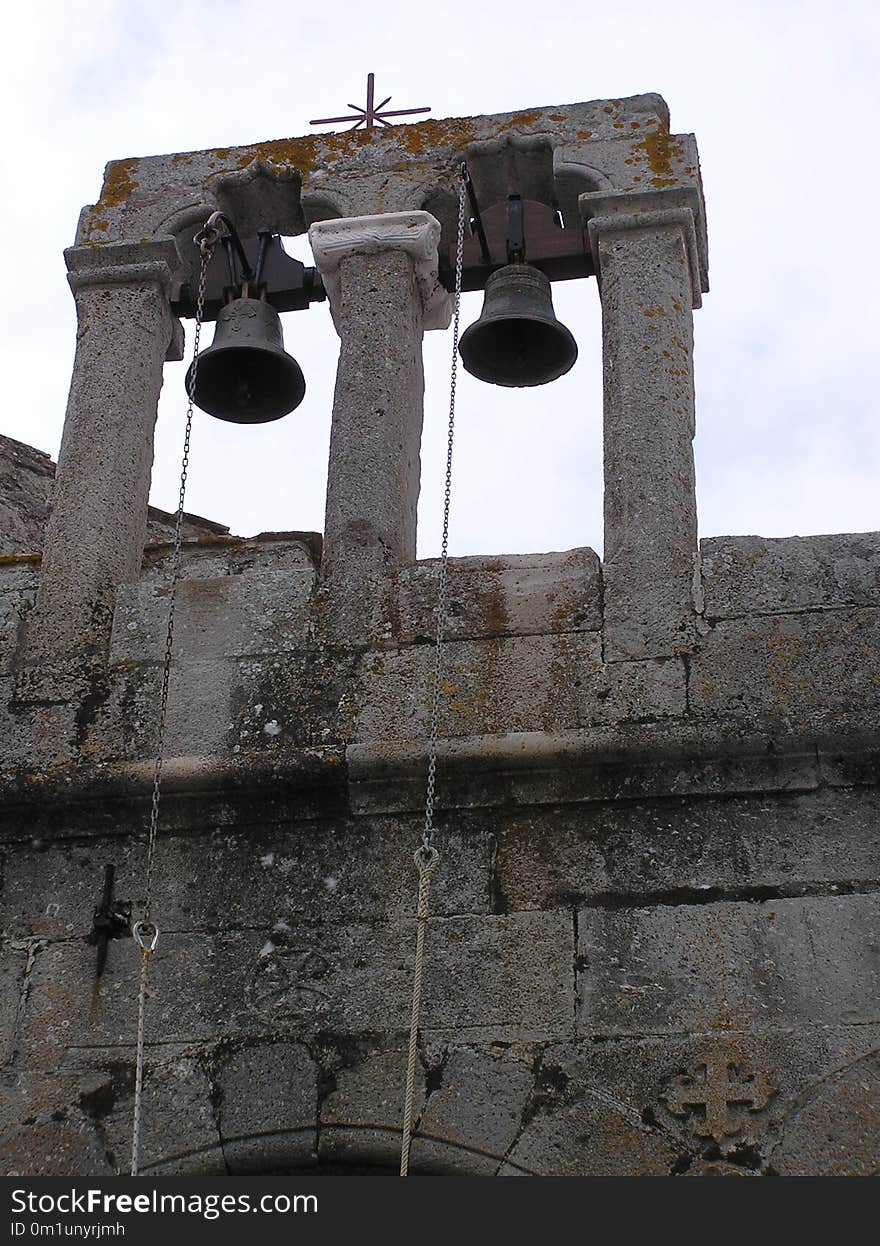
(426, 858)
(146, 935)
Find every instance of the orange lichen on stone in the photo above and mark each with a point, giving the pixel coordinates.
(297, 153)
(118, 183)
(585, 133)
(660, 149)
(522, 118)
(100, 224)
(182, 157)
(451, 132)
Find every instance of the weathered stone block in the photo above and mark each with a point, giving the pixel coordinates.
(499, 977)
(511, 595)
(228, 616)
(14, 605)
(268, 1097)
(13, 966)
(817, 670)
(472, 1118)
(179, 1131)
(362, 1115)
(729, 848)
(729, 966)
(634, 691)
(749, 575)
(514, 684)
(835, 1129)
(248, 875)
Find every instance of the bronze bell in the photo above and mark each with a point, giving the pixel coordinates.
(246, 376)
(517, 339)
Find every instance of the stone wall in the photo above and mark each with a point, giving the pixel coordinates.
(654, 874)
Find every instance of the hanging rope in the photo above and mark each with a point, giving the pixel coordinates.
(145, 931)
(427, 857)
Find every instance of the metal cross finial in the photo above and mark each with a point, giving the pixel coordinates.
(369, 116)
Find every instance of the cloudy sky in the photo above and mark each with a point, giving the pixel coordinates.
(783, 98)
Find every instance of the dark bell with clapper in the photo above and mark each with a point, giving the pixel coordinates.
(246, 376)
(517, 340)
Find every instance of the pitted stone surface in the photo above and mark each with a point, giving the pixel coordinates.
(477, 1107)
(749, 575)
(498, 978)
(518, 595)
(729, 966)
(179, 1132)
(813, 670)
(362, 1114)
(263, 1082)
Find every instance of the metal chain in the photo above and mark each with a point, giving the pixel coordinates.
(145, 931)
(437, 688)
(426, 856)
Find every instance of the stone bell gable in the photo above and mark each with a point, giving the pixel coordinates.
(652, 945)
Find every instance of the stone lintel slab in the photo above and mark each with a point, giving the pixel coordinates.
(287, 184)
(417, 234)
(729, 966)
(497, 978)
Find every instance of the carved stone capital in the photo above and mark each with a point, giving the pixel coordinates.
(123, 263)
(605, 213)
(415, 233)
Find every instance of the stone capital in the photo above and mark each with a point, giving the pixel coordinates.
(156, 260)
(605, 213)
(417, 234)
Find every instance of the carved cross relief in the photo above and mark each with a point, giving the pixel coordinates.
(708, 1098)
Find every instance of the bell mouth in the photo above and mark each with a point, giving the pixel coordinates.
(517, 341)
(248, 385)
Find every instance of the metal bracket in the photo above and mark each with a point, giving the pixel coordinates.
(516, 230)
(263, 266)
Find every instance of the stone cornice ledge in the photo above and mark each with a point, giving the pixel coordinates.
(642, 761)
(599, 764)
(415, 233)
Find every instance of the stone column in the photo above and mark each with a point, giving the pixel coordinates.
(95, 536)
(380, 273)
(645, 248)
